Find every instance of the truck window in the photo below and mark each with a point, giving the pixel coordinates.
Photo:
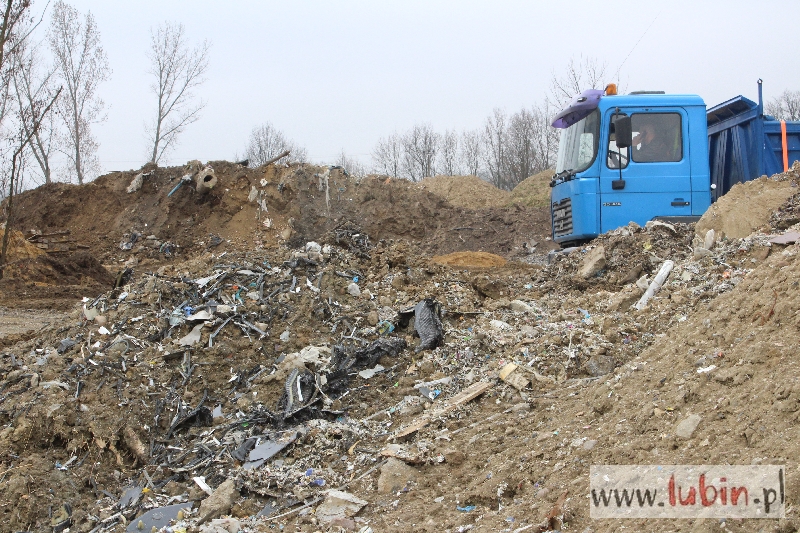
(579, 144)
(616, 156)
(656, 137)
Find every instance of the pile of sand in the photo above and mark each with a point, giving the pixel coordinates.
(746, 207)
(19, 247)
(466, 191)
(470, 259)
(534, 191)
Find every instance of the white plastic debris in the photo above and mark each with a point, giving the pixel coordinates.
(500, 325)
(353, 289)
(201, 482)
(136, 183)
(659, 280)
(193, 337)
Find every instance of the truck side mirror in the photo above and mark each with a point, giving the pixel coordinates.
(623, 131)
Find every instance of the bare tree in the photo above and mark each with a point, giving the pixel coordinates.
(520, 148)
(448, 161)
(266, 142)
(351, 165)
(786, 106)
(545, 137)
(387, 157)
(494, 140)
(420, 146)
(586, 73)
(13, 31)
(177, 70)
(31, 86)
(471, 152)
(81, 66)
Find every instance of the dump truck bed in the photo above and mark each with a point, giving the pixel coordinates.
(744, 144)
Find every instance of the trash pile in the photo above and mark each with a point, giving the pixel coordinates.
(350, 383)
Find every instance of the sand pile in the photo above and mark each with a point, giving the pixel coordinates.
(466, 191)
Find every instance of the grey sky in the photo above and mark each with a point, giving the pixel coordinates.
(336, 75)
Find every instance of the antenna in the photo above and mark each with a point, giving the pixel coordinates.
(616, 74)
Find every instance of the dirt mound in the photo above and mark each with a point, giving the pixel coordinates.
(48, 281)
(469, 259)
(746, 207)
(262, 208)
(80, 268)
(19, 247)
(534, 191)
(466, 191)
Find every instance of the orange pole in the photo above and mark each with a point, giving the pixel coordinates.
(785, 147)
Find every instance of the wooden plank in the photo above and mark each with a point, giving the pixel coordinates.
(466, 395)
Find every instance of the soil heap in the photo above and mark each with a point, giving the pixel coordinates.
(322, 374)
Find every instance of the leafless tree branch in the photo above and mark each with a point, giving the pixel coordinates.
(177, 70)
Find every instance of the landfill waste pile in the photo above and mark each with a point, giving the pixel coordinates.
(337, 378)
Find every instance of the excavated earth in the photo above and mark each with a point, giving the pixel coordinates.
(196, 330)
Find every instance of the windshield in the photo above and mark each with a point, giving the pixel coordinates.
(578, 145)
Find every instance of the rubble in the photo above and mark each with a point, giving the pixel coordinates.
(254, 374)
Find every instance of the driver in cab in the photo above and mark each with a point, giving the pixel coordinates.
(651, 145)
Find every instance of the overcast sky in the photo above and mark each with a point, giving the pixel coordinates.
(336, 75)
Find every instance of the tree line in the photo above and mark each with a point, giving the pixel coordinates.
(52, 64)
(505, 150)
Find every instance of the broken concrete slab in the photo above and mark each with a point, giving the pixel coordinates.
(339, 505)
(593, 262)
(395, 475)
(220, 501)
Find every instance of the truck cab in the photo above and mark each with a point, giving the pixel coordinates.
(664, 174)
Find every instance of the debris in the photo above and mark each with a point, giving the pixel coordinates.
(353, 289)
(272, 445)
(593, 262)
(136, 182)
(395, 475)
(339, 504)
(135, 445)
(686, 427)
(219, 502)
(370, 372)
(600, 365)
(654, 287)
(62, 518)
(193, 337)
(155, 519)
(468, 394)
(221, 525)
(710, 239)
(130, 496)
(518, 306)
(790, 237)
(206, 180)
(427, 323)
(398, 451)
(516, 379)
(65, 345)
(200, 481)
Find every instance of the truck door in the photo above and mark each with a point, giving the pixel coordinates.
(655, 178)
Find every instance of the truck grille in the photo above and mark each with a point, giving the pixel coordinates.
(562, 217)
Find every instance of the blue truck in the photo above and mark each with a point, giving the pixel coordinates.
(654, 156)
